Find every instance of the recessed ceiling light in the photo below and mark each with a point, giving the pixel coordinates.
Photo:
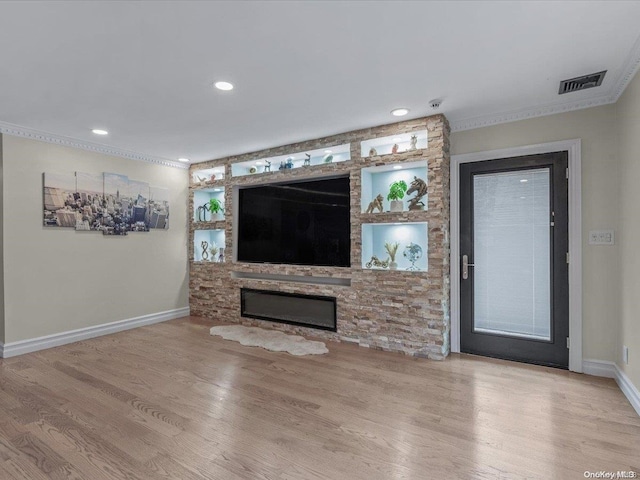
(327, 151)
(223, 86)
(399, 112)
(99, 131)
(185, 160)
(258, 163)
(397, 139)
(523, 198)
(217, 190)
(397, 167)
(523, 180)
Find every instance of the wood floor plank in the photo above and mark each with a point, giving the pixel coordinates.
(169, 401)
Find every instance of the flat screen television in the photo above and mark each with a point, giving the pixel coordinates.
(298, 223)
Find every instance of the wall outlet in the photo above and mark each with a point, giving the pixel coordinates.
(625, 355)
(601, 237)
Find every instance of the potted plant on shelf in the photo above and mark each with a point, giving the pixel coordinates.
(216, 208)
(392, 249)
(213, 249)
(396, 194)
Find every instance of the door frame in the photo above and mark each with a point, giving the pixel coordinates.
(573, 148)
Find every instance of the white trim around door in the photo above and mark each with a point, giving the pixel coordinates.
(573, 147)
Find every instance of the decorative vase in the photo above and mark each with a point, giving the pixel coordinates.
(395, 147)
(221, 256)
(393, 266)
(373, 152)
(395, 206)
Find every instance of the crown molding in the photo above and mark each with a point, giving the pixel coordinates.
(30, 133)
(629, 68)
(526, 113)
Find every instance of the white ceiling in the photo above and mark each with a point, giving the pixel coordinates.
(302, 70)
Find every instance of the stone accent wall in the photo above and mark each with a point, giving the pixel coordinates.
(397, 311)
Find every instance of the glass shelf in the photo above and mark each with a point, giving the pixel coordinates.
(320, 156)
(384, 145)
(377, 180)
(211, 237)
(207, 176)
(200, 198)
(375, 235)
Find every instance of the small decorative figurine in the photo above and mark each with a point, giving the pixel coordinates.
(375, 203)
(420, 187)
(213, 178)
(373, 152)
(281, 167)
(221, 256)
(394, 149)
(413, 143)
(205, 250)
(201, 179)
(307, 160)
(289, 163)
(253, 170)
(201, 212)
(413, 253)
(377, 263)
(267, 167)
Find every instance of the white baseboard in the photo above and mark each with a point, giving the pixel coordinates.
(41, 343)
(601, 368)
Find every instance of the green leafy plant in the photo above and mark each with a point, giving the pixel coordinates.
(392, 249)
(397, 190)
(215, 206)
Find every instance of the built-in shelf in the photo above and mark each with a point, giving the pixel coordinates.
(377, 180)
(320, 156)
(384, 145)
(375, 235)
(215, 225)
(208, 177)
(212, 237)
(343, 282)
(202, 197)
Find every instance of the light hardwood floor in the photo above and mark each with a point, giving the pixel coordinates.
(170, 401)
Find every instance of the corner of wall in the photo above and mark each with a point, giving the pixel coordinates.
(627, 116)
(2, 335)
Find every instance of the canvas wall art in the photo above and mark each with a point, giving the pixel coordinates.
(106, 202)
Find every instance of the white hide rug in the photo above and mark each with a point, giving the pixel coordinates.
(270, 340)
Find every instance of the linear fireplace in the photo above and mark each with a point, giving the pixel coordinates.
(306, 310)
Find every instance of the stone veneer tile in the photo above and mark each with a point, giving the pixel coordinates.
(396, 311)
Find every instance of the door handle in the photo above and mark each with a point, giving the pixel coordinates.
(465, 266)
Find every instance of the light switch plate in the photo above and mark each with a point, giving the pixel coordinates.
(601, 237)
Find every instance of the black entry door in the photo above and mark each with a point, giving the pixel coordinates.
(514, 278)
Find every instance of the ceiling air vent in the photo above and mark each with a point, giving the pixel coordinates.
(581, 83)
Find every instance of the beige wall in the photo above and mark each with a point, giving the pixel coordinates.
(600, 183)
(59, 279)
(628, 110)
